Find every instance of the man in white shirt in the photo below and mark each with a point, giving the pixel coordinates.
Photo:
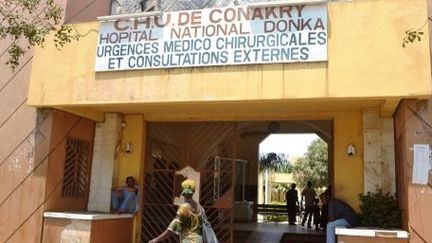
(309, 195)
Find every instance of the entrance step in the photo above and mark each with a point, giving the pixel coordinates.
(257, 237)
(272, 237)
(275, 233)
(303, 238)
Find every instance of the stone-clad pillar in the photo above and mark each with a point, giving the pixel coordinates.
(104, 163)
(379, 161)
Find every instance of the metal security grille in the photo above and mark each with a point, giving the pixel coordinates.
(206, 147)
(76, 170)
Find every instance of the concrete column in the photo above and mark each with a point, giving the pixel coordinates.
(104, 163)
(260, 199)
(379, 161)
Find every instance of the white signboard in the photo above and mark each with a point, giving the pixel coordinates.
(214, 37)
(421, 164)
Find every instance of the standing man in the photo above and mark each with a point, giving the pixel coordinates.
(291, 197)
(339, 214)
(309, 195)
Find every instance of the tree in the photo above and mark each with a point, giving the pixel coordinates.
(313, 166)
(274, 162)
(412, 35)
(26, 23)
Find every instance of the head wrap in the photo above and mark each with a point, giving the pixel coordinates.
(188, 187)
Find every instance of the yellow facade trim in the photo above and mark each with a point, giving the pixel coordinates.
(365, 61)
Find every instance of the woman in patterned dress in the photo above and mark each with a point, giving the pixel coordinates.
(189, 220)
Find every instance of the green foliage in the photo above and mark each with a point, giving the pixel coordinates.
(313, 166)
(379, 209)
(277, 203)
(411, 36)
(26, 23)
(275, 218)
(275, 162)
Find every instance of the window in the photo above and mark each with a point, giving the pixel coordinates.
(76, 170)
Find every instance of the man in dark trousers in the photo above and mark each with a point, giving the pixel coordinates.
(309, 195)
(339, 214)
(291, 197)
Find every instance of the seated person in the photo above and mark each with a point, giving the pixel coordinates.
(340, 214)
(125, 199)
(324, 208)
(324, 212)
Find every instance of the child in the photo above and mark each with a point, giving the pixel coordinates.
(187, 225)
(316, 213)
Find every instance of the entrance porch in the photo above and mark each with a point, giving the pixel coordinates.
(198, 143)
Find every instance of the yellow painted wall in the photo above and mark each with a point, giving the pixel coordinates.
(282, 178)
(365, 60)
(130, 163)
(348, 171)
